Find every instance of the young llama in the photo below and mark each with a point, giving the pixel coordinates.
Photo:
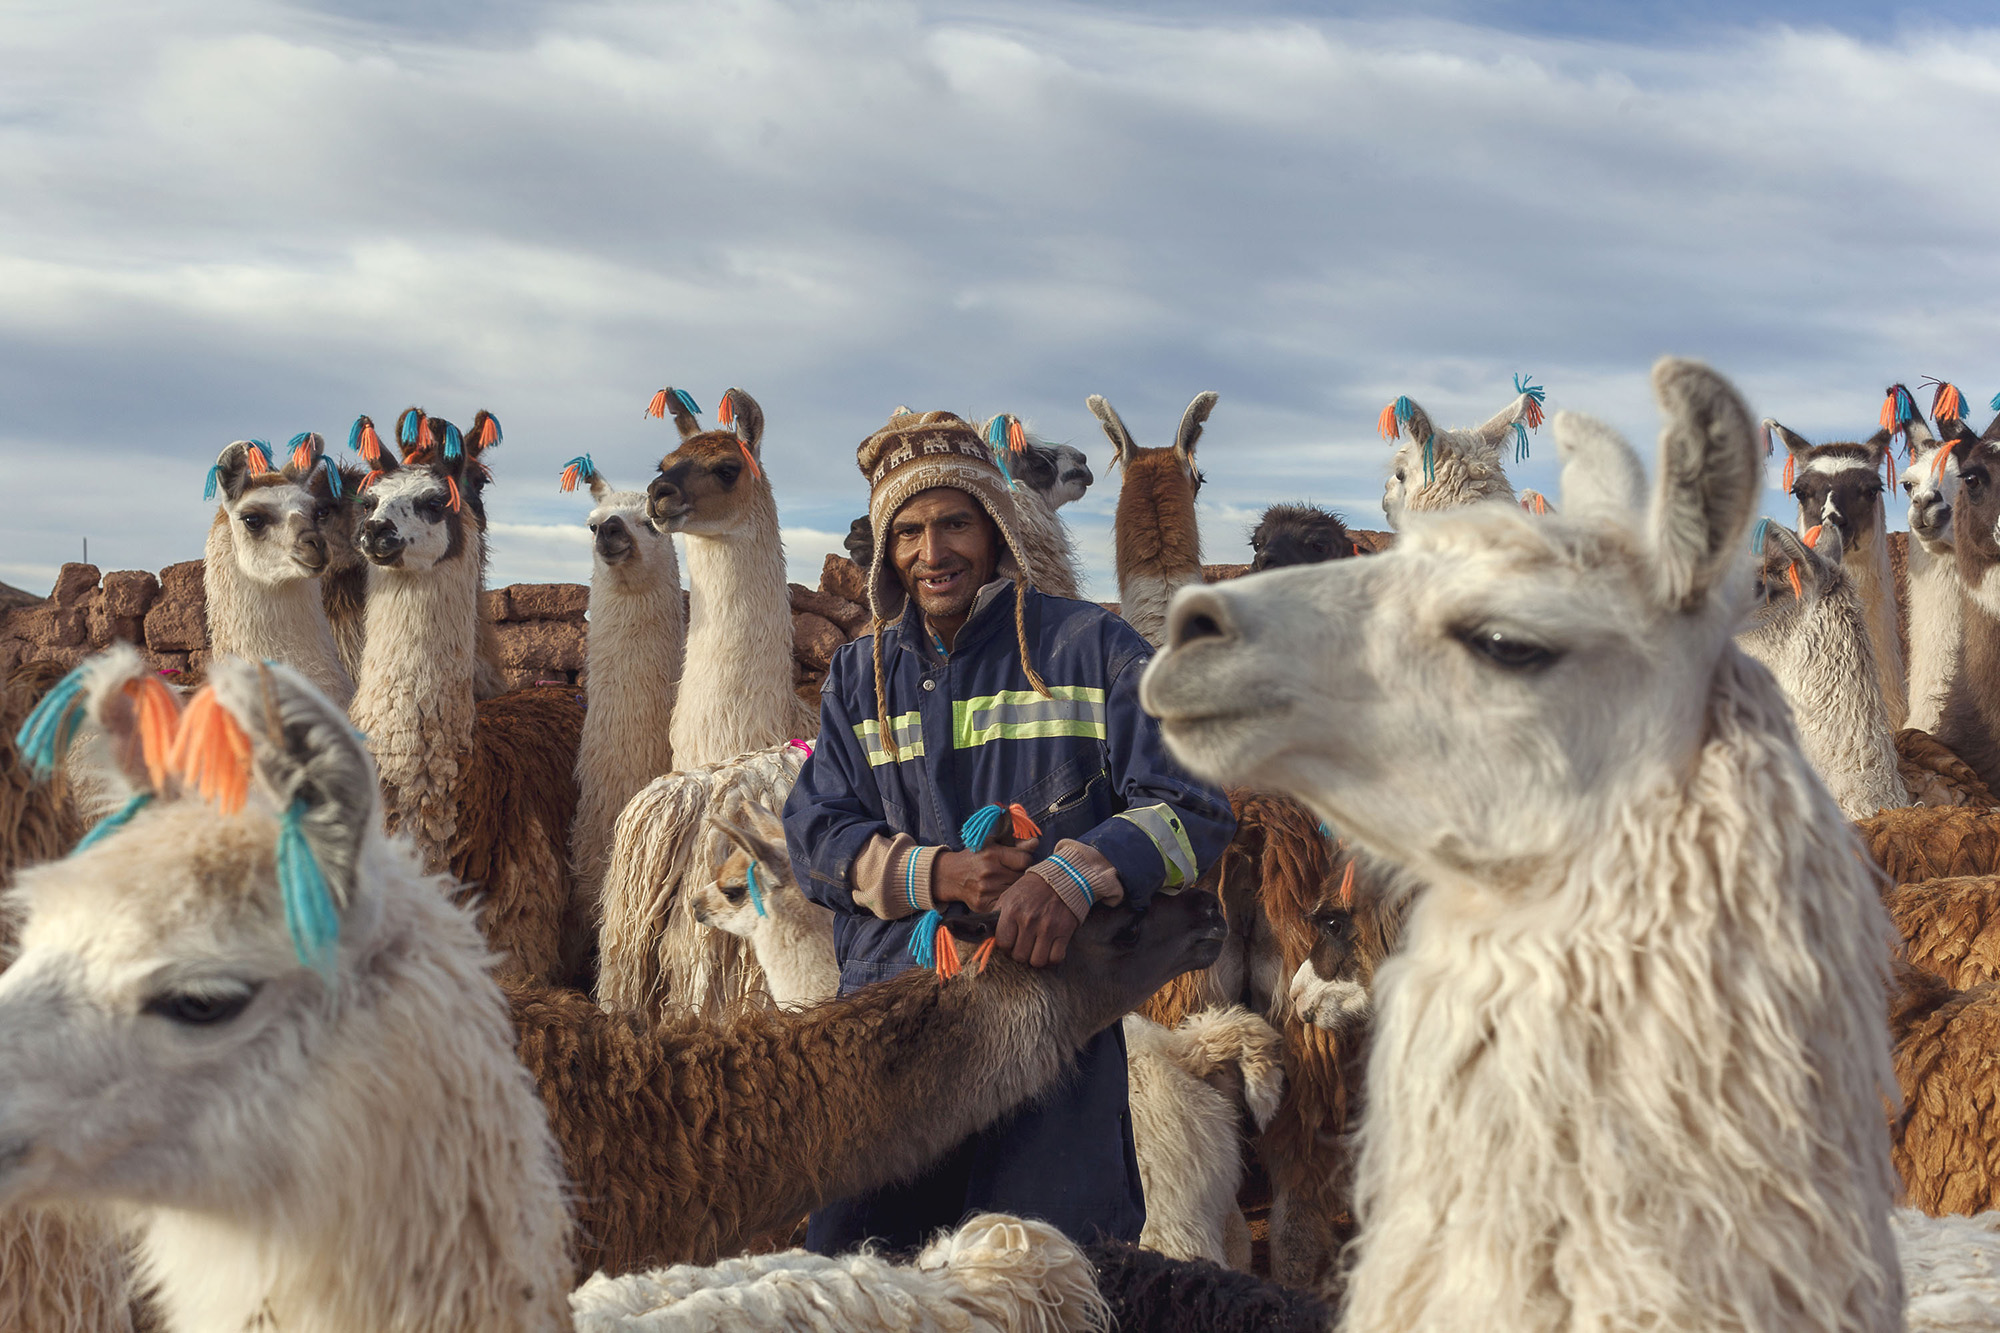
(1629, 1067)
(267, 551)
(1443, 469)
(1936, 616)
(1970, 724)
(1157, 533)
(1808, 626)
(1046, 477)
(486, 789)
(1841, 484)
(633, 654)
(258, 975)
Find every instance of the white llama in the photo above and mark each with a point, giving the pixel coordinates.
(637, 635)
(266, 552)
(1936, 598)
(1808, 626)
(1630, 1065)
(754, 897)
(1046, 477)
(1443, 469)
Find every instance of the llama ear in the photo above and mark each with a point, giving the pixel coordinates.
(973, 927)
(740, 410)
(1710, 475)
(599, 487)
(1992, 431)
(1795, 444)
(1601, 473)
(133, 715)
(234, 467)
(302, 455)
(757, 831)
(314, 767)
(1123, 447)
(1192, 421)
(679, 404)
(483, 433)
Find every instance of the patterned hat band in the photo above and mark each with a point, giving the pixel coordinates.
(933, 444)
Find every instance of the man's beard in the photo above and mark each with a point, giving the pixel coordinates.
(955, 601)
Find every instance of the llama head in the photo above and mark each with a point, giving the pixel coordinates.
(1792, 576)
(755, 851)
(1157, 466)
(1481, 696)
(1059, 473)
(1156, 499)
(1300, 534)
(1443, 469)
(1975, 520)
(1931, 483)
(1841, 483)
(284, 523)
(428, 507)
(625, 548)
(1357, 924)
(177, 973)
(714, 484)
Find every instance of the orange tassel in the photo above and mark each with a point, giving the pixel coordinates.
(1347, 886)
(159, 711)
(658, 407)
(1017, 436)
(1812, 535)
(725, 412)
(1386, 423)
(1791, 468)
(212, 753)
(488, 434)
(1937, 463)
(1889, 412)
(748, 457)
(1949, 405)
(982, 956)
(569, 476)
(371, 444)
(947, 955)
(1889, 467)
(302, 457)
(1792, 573)
(254, 457)
(1024, 827)
(371, 479)
(1531, 413)
(452, 482)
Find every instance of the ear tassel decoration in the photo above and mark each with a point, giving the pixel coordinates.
(410, 429)
(1889, 467)
(454, 443)
(1942, 456)
(1533, 501)
(306, 448)
(946, 949)
(1994, 406)
(208, 487)
(1757, 535)
(756, 895)
(309, 916)
(1531, 410)
(114, 821)
(258, 457)
(978, 830)
(370, 479)
(1811, 537)
(982, 956)
(1898, 410)
(451, 483)
(1347, 886)
(578, 469)
(212, 753)
(1791, 468)
(363, 440)
(1430, 459)
(1947, 403)
(44, 738)
(159, 715)
(1792, 573)
(923, 940)
(333, 481)
(485, 430)
(1394, 416)
(1520, 442)
(1764, 435)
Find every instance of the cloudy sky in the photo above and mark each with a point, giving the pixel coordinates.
(233, 218)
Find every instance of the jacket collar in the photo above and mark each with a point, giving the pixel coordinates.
(992, 608)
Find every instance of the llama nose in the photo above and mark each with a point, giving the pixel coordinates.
(380, 537)
(614, 539)
(1198, 614)
(310, 550)
(663, 500)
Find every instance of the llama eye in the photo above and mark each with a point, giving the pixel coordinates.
(320, 513)
(253, 523)
(1909, 489)
(200, 1009)
(727, 475)
(1399, 474)
(1336, 926)
(431, 510)
(1499, 648)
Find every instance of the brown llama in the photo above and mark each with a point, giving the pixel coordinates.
(1298, 534)
(1918, 843)
(1950, 927)
(1944, 1143)
(485, 788)
(1157, 534)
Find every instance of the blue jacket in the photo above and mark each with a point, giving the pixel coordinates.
(1087, 764)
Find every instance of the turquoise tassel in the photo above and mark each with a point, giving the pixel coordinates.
(687, 401)
(923, 940)
(44, 738)
(114, 821)
(1994, 406)
(1757, 536)
(756, 898)
(296, 441)
(454, 443)
(1905, 406)
(1520, 442)
(407, 436)
(354, 436)
(309, 914)
(1526, 384)
(208, 490)
(979, 828)
(1430, 463)
(333, 479)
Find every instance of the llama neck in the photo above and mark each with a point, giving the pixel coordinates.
(636, 642)
(414, 698)
(1970, 725)
(1159, 542)
(1646, 1090)
(1045, 543)
(344, 593)
(424, 1191)
(1936, 627)
(269, 622)
(1826, 666)
(1868, 565)
(739, 696)
(795, 948)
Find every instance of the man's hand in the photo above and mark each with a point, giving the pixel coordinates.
(978, 879)
(1035, 925)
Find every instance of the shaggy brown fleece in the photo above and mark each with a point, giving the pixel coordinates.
(1944, 1145)
(1950, 927)
(1935, 776)
(1157, 530)
(37, 820)
(1917, 843)
(516, 798)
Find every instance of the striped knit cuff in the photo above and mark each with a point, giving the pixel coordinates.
(1080, 875)
(913, 877)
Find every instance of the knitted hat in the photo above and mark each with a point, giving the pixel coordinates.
(916, 452)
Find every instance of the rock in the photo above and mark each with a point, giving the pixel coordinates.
(548, 647)
(12, 597)
(73, 584)
(844, 579)
(1218, 573)
(178, 619)
(129, 592)
(815, 639)
(547, 601)
(493, 605)
(851, 617)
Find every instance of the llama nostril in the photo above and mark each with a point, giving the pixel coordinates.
(1196, 616)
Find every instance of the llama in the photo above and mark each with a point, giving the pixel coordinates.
(1943, 1146)
(487, 788)
(1150, 1293)
(1970, 723)
(300, 983)
(994, 1274)
(266, 553)
(1807, 624)
(1156, 531)
(1298, 534)
(1434, 469)
(1558, 1136)
(755, 898)
(1840, 484)
(1358, 928)
(1950, 927)
(633, 652)
(1934, 596)
(1046, 477)
(1920, 844)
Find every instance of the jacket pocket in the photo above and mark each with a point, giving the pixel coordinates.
(1074, 799)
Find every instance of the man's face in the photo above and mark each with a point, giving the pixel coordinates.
(945, 550)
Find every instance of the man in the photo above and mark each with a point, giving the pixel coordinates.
(976, 690)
